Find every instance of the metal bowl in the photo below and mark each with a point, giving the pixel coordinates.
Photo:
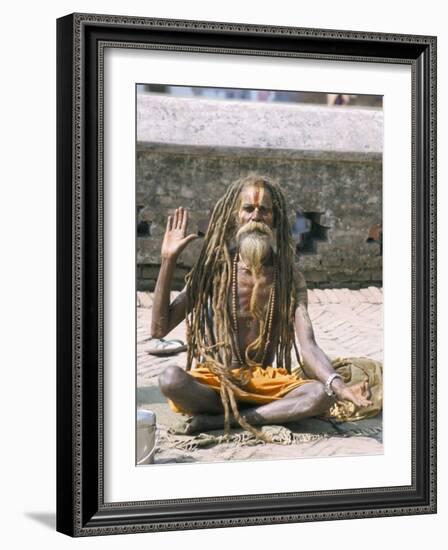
(146, 436)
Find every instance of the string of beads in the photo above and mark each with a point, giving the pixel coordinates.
(269, 313)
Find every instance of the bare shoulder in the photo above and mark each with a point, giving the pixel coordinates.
(300, 286)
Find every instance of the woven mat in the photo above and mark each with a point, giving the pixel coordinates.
(293, 434)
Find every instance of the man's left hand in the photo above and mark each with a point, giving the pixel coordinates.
(358, 394)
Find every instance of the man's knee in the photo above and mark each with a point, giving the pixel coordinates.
(172, 380)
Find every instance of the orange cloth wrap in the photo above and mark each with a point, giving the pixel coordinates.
(265, 384)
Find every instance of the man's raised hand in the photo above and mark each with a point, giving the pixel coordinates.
(176, 238)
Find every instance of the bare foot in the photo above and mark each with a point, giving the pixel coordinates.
(198, 423)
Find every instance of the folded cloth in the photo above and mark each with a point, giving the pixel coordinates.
(264, 385)
(355, 370)
(270, 383)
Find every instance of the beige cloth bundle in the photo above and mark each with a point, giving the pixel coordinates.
(355, 370)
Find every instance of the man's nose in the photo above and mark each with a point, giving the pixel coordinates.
(256, 215)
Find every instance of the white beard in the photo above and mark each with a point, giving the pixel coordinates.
(255, 242)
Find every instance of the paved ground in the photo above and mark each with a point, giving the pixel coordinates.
(346, 323)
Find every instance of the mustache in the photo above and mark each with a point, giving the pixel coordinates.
(254, 227)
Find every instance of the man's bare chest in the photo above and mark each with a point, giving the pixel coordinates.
(251, 295)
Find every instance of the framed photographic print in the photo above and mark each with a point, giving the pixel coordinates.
(246, 274)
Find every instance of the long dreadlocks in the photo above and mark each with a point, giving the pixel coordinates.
(210, 333)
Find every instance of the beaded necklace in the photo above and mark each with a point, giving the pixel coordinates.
(269, 312)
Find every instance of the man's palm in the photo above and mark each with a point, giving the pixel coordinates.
(176, 238)
(359, 394)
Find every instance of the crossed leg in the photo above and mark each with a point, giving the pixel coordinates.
(204, 403)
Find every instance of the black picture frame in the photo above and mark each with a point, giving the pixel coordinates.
(81, 510)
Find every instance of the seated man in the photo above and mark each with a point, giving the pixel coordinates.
(244, 303)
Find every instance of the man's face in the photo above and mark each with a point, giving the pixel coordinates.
(255, 227)
(255, 206)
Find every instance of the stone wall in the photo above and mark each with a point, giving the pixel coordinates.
(327, 159)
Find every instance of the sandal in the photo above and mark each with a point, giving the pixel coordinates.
(161, 347)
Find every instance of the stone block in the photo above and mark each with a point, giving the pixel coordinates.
(146, 215)
(157, 232)
(186, 192)
(309, 262)
(335, 259)
(204, 122)
(150, 271)
(376, 275)
(146, 285)
(347, 276)
(167, 201)
(315, 276)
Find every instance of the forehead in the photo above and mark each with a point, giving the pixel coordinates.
(256, 194)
